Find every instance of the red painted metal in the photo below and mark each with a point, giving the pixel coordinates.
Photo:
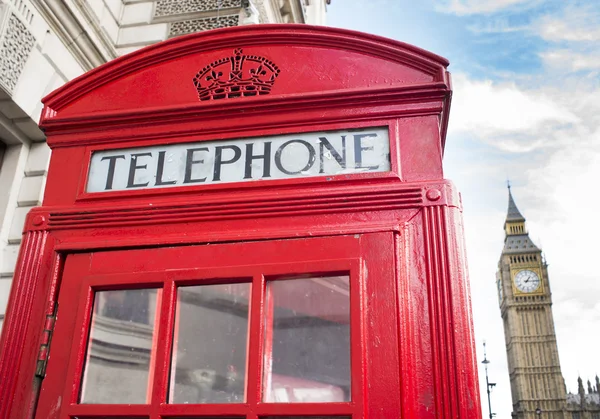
(398, 233)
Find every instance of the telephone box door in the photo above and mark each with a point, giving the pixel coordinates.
(267, 329)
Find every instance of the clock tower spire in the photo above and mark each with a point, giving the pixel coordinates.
(526, 308)
(514, 218)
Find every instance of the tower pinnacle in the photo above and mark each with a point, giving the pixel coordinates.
(513, 212)
(515, 222)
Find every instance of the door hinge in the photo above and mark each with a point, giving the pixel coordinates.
(42, 359)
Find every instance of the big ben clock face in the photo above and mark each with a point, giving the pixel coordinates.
(527, 281)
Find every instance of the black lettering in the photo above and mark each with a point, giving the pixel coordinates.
(112, 163)
(133, 166)
(219, 159)
(266, 157)
(326, 144)
(189, 162)
(160, 169)
(359, 148)
(312, 155)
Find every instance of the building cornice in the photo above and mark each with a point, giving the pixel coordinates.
(89, 48)
(103, 40)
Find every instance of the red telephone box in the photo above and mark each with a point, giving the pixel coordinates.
(245, 223)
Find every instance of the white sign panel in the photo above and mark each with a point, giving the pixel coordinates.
(241, 160)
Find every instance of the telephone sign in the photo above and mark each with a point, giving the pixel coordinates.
(240, 160)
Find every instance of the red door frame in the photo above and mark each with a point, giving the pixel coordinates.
(87, 272)
(142, 100)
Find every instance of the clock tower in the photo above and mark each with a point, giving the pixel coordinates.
(526, 306)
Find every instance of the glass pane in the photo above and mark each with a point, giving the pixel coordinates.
(305, 417)
(307, 348)
(210, 344)
(121, 347)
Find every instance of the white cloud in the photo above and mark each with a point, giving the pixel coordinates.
(505, 115)
(577, 343)
(569, 60)
(496, 26)
(573, 34)
(576, 24)
(471, 7)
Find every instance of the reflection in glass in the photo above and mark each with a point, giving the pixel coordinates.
(307, 340)
(120, 347)
(210, 344)
(127, 305)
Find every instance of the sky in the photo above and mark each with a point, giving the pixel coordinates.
(525, 107)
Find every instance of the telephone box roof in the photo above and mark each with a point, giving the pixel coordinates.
(319, 66)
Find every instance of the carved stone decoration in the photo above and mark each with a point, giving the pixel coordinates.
(304, 4)
(179, 7)
(251, 15)
(236, 76)
(262, 11)
(197, 25)
(17, 43)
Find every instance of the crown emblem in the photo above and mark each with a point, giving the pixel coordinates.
(236, 76)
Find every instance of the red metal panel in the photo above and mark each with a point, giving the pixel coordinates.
(165, 341)
(380, 362)
(257, 340)
(420, 133)
(64, 330)
(463, 332)
(23, 324)
(416, 349)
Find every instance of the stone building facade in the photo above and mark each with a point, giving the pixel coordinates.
(45, 43)
(584, 404)
(537, 385)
